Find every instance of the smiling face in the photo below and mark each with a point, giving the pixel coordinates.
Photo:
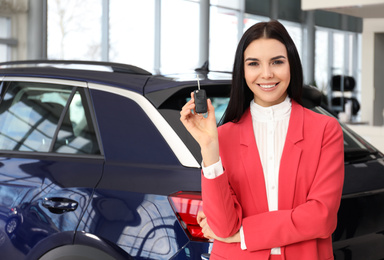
(267, 71)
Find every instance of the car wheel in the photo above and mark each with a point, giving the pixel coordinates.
(76, 252)
(11, 225)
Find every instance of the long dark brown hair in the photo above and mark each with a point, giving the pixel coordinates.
(241, 95)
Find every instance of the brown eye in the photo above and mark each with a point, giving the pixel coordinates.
(277, 62)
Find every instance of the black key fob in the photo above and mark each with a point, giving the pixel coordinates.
(200, 101)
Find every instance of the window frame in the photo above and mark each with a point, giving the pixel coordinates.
(75, 85)
(174, 141)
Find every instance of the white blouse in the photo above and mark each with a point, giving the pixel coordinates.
(270, 126)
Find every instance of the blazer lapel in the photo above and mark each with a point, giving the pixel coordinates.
(252, 163)
(291, 157)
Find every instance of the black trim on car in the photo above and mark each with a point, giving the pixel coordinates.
(115, 67)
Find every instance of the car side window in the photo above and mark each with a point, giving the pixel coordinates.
(76, 134)
(36, 117)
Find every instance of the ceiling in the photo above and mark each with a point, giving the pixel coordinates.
(363, 11)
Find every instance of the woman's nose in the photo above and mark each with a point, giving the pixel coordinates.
(267, 72)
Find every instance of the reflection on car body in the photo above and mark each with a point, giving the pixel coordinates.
(27, 225)
(98, 163)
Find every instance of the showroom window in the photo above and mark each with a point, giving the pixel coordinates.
(35, 117)
(321, 60)
(336, 53)
(227, 22)
(131, 27)
(74, 29)
(231, 4)
(163, 35)
(223, 38)
(179, 35)
(3, 52)
(5, 34)
(296, 33)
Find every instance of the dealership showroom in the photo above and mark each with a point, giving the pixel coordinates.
(104, 154)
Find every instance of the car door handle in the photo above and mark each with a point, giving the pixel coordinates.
(59, 205)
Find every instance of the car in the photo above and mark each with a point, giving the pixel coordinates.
(36, 225)
(95, 163)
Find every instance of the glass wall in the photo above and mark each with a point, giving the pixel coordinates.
(163, 35)
(336, 53)
(296, 32)
(5, 33)
(131, 34)
(4, 26)
(223, 38)
(321, 60)
(230, 4)
(3, 52)
(179, 36)
(74, 30)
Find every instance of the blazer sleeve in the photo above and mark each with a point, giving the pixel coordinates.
(221, 206)
(317, 217)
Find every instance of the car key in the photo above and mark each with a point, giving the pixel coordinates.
(200, 99)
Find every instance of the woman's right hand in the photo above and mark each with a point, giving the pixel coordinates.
(203, 130)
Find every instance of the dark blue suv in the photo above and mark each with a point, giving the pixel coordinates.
(95, 164)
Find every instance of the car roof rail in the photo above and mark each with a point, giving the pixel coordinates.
(96, 65)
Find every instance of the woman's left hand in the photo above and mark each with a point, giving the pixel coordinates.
(208, 233)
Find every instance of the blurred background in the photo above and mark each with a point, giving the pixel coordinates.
(340, 42)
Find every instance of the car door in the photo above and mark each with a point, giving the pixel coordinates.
(50, 162)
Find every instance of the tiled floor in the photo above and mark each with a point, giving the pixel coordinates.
(373, 134)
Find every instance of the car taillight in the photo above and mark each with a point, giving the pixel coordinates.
(186, 205)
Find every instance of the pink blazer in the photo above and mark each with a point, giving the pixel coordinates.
(310, 185)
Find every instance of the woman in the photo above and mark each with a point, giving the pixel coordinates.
(273, 172)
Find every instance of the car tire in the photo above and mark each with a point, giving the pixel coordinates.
(76, 252)
(12, 225)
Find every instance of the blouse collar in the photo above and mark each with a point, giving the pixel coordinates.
(275, 112)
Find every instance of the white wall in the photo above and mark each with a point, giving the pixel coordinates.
(370, 27)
